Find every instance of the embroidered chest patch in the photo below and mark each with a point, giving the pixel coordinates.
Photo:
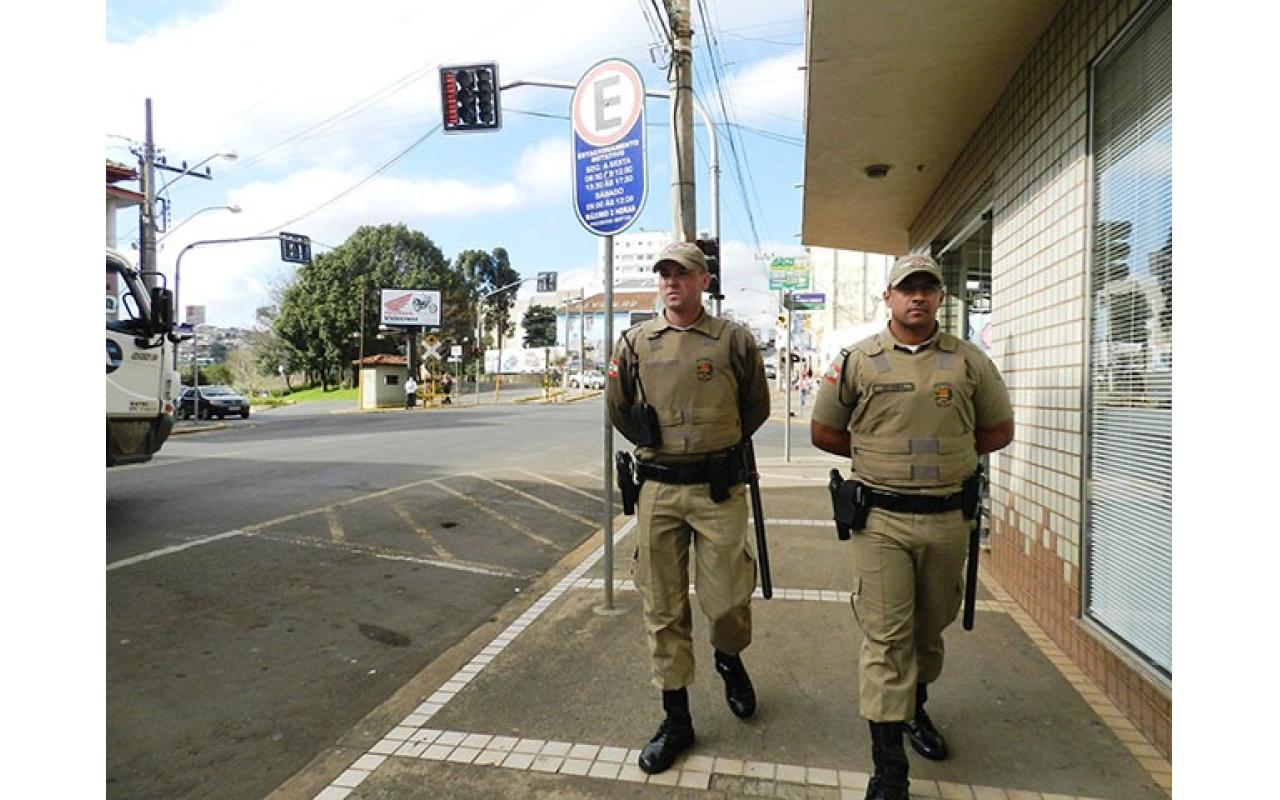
(942, 394)
(704, 369)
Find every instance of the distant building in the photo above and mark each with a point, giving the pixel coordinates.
(583, 323)
(119, 198)
(633, 257)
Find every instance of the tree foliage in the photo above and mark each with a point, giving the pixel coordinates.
(539, 326)
(332, 307)
(491, 271)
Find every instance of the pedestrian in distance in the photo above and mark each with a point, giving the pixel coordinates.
(689, 390)
(410, 393)
(913, 407)
(446, 386)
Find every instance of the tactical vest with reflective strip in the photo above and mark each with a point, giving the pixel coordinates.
(689, 380)
(912, 427)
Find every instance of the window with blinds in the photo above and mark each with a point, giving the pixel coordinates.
(1130, 452)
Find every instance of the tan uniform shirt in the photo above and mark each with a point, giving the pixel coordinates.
(706, 384)
(911, 416)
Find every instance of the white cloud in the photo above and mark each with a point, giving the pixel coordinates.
(315, 96)
(770, 93)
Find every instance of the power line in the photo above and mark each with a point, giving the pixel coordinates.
(739, 171)
(358, 184)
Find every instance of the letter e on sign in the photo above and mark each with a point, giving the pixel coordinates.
(607, 102)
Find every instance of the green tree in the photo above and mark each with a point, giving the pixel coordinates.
(539, 326)
(320, 312)
(491, 271)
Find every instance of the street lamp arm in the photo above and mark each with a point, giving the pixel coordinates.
(234, 209)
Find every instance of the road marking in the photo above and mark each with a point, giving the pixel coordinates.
(383, 553)
(177, 548)
(554, 482)
(335, 527)
(172, 462)
(538, 500)
(424, 535)
(498, 515)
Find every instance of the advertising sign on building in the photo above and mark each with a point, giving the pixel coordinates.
(609, 185)
(789, 272)
(522, 359)
(411, 307)
(195, 315)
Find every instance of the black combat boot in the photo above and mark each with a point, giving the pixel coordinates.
(674, 735)
(738, 691)
(890, 779)
(925, 738)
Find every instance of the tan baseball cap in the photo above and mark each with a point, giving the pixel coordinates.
(910, 265)
(686, 254)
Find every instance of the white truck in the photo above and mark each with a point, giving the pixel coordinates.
(142, 383)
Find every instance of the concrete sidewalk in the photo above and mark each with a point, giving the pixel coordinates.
(552, 698)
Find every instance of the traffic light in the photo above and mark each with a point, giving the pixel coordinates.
(469, 98)
(711, 251)
(546, 281)
(295, 248)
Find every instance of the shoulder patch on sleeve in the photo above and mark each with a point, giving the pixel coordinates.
(832, 375)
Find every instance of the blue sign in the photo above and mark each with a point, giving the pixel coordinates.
(609, 186)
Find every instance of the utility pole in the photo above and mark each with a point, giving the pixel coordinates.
(147, 219)
(683, 195)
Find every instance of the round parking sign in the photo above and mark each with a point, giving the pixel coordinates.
(609, 185)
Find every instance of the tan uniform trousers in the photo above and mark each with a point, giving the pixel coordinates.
(908, 586)
(671, 517)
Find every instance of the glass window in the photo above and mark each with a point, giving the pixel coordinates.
(126, 300)
(1130, 454)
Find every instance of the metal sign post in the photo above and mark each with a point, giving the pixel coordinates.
(609, 190)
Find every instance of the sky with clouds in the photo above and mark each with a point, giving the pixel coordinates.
(315, 97)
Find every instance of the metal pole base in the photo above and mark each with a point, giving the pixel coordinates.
(608, 611)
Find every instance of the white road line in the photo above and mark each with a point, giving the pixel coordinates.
(498, 515)
(177, 548)
(460, 566)
(538, 500)
(172, 462)
(554, 482)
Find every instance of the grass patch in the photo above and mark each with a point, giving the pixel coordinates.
(316, 393)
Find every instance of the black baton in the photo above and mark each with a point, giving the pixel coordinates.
(971, 569)
(757, 513)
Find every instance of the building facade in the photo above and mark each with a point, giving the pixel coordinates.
(633, 257)
(1038, 171)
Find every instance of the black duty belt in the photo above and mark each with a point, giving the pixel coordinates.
(687, 474)
(914, 503)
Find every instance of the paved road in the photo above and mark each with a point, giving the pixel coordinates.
(271, 582)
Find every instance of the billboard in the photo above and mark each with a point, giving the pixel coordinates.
(411, 307)
(195, 315)
(522, 360)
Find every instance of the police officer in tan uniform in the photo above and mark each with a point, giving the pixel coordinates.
(913, 407)
(689, 388)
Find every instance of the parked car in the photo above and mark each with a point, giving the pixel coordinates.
(215, 401)
(591, 379)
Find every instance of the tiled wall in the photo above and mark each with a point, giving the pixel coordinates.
(1027, 162)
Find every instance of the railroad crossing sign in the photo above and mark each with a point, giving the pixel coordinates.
(431, 346)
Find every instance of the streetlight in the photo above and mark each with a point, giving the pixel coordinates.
(233, 208)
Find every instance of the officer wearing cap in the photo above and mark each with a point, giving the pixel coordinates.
(913, 407)
(688, 388)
